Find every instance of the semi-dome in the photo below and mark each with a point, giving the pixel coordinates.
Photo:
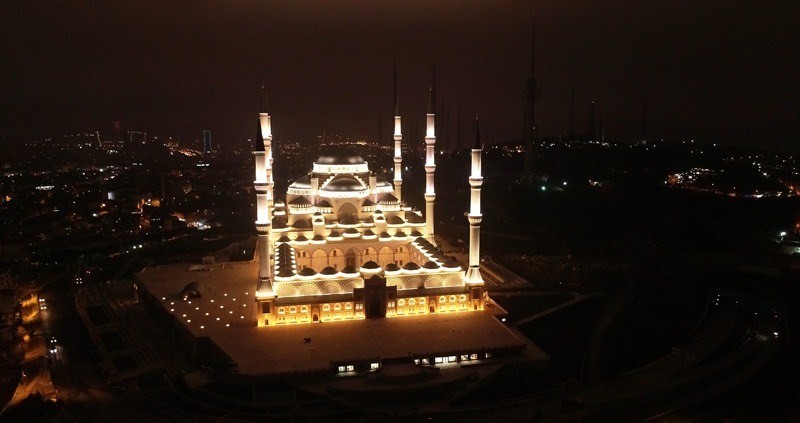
(344, 183)
(328, 270)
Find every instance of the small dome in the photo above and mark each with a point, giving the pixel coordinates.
(348, 220)
(414, 218)
(368, 232)
(191, 291)
(284, 239)
(368, 203)
(329, 271)
(285, 272)
(301, 238)
(302, 224)
(308, 272)
(349, 269)
(389, 200)
(391, 267)
(334, 234)
(411, 266)
(318, 238)
(351, 231)
(395, 220)
(400, 234)
(301, 202)
(450, 263)
(385, 235)
(370, 265)
(324, 203)
(303, 182)
(416, 234)
(279, 222)
(430, 265)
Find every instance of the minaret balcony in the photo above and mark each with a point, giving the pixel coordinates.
(474, 219)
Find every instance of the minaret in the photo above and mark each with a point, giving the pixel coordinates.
(430, 161)
(473, 275)
(398, 144)
(263, 187)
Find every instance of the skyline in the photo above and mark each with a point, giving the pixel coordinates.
(721, 75)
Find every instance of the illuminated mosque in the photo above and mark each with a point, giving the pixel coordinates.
(344, 245)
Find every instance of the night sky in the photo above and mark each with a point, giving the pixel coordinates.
(724, 71)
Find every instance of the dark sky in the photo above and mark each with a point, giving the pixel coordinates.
(713, 70)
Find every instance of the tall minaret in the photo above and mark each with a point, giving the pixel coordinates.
(263, 187)
(474, 216)
(398, 144)
(430, 160)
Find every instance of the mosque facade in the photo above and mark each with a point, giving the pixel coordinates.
(342, 244)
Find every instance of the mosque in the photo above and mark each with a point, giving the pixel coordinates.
(344, 245)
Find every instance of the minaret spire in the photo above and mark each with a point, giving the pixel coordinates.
(263, 186)
(473, 275)
(264, 102)
(430, 160)
(398, 144)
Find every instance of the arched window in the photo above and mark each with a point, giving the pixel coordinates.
(326, 307)
(337, 306)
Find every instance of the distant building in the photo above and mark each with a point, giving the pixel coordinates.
(207, 148)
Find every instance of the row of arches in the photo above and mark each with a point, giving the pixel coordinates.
(339, 259)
